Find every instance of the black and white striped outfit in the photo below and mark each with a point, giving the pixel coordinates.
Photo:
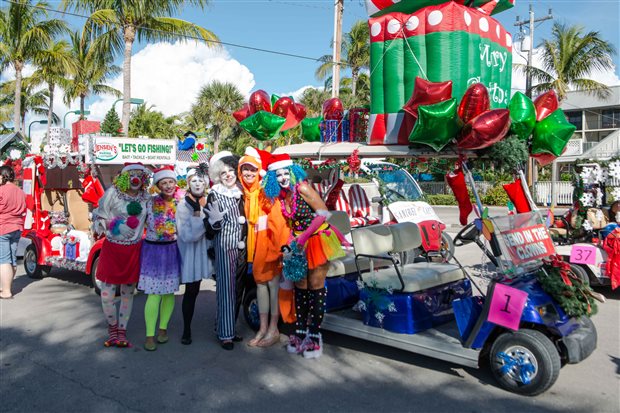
(228, 236)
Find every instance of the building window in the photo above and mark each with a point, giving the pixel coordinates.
(575, 119)
(610, 118)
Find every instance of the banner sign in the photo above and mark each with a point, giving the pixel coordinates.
(528, 244)
(120, 150)
(415, 212)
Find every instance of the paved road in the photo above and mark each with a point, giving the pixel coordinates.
(52, 360)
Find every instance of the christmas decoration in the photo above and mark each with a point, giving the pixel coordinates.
(263, 125)
(380, 7)
(552, 134)
(310, 129)
(611, 245)
(546, 104)
(485, 129)
(517, 196)
(354, 163)
(427, 93)
(475, 102)
(456, 181)
(111, 123)
(522, 115)
(437, 124)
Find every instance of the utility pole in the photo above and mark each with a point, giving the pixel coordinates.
(532, 171)
(338, 10)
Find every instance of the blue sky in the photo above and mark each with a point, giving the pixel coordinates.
(169, 76)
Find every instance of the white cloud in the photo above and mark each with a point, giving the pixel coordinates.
(608, 77)
(296, 94)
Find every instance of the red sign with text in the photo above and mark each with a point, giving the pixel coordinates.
(529, 243)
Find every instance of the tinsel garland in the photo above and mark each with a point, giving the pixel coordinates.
(566, 288)
(330, 163)
(294, 262)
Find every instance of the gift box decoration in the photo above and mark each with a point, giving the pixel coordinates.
(358, 124)
(376, 8)
(330, 130)
(448, 42)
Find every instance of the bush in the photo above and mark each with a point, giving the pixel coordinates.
(496, 196)
(441, 199)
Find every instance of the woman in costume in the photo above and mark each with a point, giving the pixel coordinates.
(193, 244)
(226, 226)
(121, 216)
(267, 232)
(307, 213)
(160, 261)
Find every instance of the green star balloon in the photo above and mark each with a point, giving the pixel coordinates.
(437, 124)
(310, 129)
(263, 125)
(522, 115)
(552, 134)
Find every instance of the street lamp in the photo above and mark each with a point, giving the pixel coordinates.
(134, 101)
(42, 122)
(77, 112)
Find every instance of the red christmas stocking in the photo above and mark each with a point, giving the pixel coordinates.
(456, 180)
(517, 196)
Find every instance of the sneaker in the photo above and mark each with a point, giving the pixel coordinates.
(313, 346)
(294, 345)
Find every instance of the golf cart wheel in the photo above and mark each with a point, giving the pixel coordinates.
(31, 258)
(250, 309)
(524, 362)
(93, 272)
(447, 246)
(580, 272)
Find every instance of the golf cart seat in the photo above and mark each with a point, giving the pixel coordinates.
(346, 264)
(70, 202)
(360, 205)
(383, 243)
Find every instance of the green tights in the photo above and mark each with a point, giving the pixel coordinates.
(161, 305)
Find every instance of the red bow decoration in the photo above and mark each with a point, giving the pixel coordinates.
(557, 261)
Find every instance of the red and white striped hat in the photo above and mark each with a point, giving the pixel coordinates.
(279, 161)
(164, 172)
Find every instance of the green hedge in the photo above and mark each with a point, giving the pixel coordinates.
(441, 199)
(496, 196)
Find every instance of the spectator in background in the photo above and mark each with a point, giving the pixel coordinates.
(12, 217)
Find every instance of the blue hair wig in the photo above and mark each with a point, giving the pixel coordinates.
(270, 182)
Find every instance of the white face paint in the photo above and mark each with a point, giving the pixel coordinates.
(283, 176)
(167, 186)
(228, 176)
(197, 185)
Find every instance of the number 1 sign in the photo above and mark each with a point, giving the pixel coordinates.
(506, 306)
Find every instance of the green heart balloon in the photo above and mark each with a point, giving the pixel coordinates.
(552, 134)
(263, 125)
(437, 124)
(522, 115)
(310, 129)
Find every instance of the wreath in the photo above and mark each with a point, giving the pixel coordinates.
(14, 151)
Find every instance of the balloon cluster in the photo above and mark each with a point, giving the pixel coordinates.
(264, 117)
(439, 119)
(332, 110)
(545, 121)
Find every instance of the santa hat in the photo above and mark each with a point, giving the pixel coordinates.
(133, 166)
(280, 161)
(163, 173)
(262, 157)
(217, 156)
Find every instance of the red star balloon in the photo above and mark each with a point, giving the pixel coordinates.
(427, 93)
(475, 101)
(485, 129)
(545, 158)
(259, 100)
(242, 113)
(546, 104)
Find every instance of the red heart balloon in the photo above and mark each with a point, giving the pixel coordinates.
(475, 101)
(485, 129)
(333, 109)
(545, 158)
(242, 113)
(259, 100)
(427, 93)
(546, 104)
(301, 111)
(285, 107)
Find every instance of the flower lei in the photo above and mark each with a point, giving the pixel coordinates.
(164, 213)
(568, 290)
(287, 214)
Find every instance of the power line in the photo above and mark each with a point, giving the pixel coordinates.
(186, 36)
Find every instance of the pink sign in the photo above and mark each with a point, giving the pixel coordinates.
(583, 254)
(506, 306)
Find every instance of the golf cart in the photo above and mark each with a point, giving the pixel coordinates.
(61, 191)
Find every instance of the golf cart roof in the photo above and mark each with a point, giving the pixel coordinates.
(345, 149)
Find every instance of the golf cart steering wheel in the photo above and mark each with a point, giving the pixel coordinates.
(466, 235)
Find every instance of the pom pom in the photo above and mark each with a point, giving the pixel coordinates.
(294, 263)
(241, 220)
(241, 245)
(114, 226)
(134, 208)
(121, 181)
(133, 222)
(262, 173)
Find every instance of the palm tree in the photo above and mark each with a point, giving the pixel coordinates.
(32, 100)
(214, 107)
(94, 66)
(313, 99)
(145, 121)
(355, 52)
(117, 23)
(23, 33)
(567, 58)
(54, 64)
